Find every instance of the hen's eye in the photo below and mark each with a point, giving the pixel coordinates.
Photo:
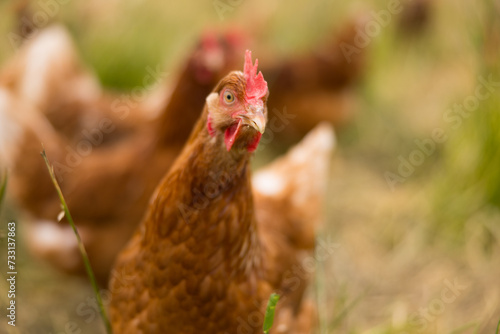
(228, 97)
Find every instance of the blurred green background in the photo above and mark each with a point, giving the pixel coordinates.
(400, 246)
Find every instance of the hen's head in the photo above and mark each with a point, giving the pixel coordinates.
(237, 108)
(214, 55)
(207, 60)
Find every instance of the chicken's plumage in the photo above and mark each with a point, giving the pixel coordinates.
(208, 253)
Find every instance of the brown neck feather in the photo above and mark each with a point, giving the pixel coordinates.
(207, 197)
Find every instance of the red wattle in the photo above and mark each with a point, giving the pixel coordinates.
(254, 143)
(210, 129)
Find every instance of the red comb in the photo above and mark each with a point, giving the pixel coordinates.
(209, 40)
(256, 85)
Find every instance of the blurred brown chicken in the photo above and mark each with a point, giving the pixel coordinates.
(24, 19)
(209, 252)
(104, 180)
(415, 16)
(315, 87)
(48, 74)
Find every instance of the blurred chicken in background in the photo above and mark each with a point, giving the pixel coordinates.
(23, 13)
(415, 17)
(49, 75)
(317, 86)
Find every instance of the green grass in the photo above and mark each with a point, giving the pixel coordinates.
(468, 182)
(3, 188)
(270, 309)
(81, 247)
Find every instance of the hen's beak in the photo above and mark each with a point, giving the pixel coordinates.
(255, 118)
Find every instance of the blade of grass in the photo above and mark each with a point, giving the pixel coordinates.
(465, 327)
(271, 308)
(85, 257)
(3, 188)
(345, 311)
(498, 327)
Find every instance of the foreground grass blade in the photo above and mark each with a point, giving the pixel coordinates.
(271, 307)
(88, 268)
(498, 327)
(3, 187)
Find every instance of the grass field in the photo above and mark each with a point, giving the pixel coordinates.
(419, 253)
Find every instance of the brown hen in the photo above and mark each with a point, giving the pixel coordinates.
(209, 252)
